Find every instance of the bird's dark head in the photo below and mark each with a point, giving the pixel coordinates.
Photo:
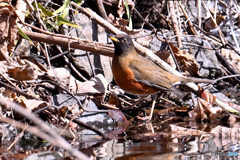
(123, 44)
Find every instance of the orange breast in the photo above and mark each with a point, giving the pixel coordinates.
(125, 79)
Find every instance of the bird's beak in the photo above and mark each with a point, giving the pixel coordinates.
(114, 39)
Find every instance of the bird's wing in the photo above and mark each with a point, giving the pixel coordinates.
(150, 74)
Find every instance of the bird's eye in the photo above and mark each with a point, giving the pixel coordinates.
(124, 41)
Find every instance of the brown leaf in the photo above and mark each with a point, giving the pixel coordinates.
(205, 111)
(166, 56)
(121, 7)
(113, 100)
(8, 30)
(32, 104)
(187, 61)
(117, 22)
(29, 104)
(208, 97)
(118, 116)
(209, 24)
(24, 73)
(232, 57)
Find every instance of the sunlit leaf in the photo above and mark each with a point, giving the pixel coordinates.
(60, 20)
(79, 2)
(128, 15)
(65, 21)
(65, 5)
(44, 10)
(25, 36)
(65, 12)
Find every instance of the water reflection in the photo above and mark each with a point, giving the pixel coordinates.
(171, 146)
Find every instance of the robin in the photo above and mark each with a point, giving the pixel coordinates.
(139, 75)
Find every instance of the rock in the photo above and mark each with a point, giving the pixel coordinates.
(91, 31)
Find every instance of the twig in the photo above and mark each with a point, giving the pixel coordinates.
(226, 63)
(94, 129)
(18, 91)
(71, 66)
(102, 9)
(175, 23)
(65, 127)
(59, 55)
(7, 79)
(188, 20)
(90, 62)
(17, 138)
(222, 38)
(199, 13)
(96, 18)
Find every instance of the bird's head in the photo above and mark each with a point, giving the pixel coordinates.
(123, 44)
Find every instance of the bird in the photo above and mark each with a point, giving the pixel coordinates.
(138, 75)
(134, 73)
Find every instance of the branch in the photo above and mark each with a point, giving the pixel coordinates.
(77, 43)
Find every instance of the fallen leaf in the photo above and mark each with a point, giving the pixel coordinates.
(23, 73)
(121, 7)
(8, 30)
(209, 24)
(64, 78)
(208, 97)
(206, 111)
(96, 85)
(167, 57)
(232, 57)
(186, 61)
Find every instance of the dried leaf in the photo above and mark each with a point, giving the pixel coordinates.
(96, 85)
(166, 56)
(29, 104)
(209, 24)
(8, 30)
(187, 61)
(232, 58)
(118, 116)
(122, 121)
(205, 111)
(117, 22)
(113, 100)
(208, 97)
(121, 7)
(23, 73)
(63, 77)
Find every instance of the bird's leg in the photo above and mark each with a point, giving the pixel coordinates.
(149, 118)
(153, 105)
(139, 100)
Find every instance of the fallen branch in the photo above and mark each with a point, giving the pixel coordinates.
(91, 46)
